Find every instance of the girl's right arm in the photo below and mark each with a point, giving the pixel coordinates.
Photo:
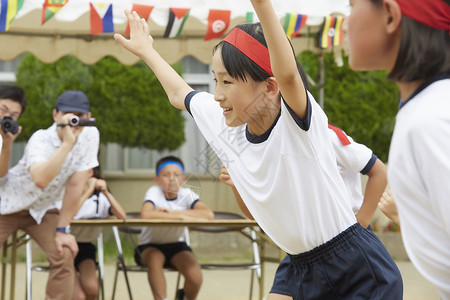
(226, 179)
(141, 44)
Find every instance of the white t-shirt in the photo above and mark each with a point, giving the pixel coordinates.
(419, 175)
(18, 191)
(353, 159)
(287, 177)
(186, 199)
(93, 207)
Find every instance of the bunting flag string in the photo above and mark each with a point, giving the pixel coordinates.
(177, 18)
(218, 22)
(293, 23)
(8, 11)
(101, 18)
(331, 32)
(50, 8)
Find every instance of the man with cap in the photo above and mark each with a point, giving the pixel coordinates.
(40, 195)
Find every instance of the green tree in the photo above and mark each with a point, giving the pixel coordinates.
(43, 83)
(363, 104)
(128, 102)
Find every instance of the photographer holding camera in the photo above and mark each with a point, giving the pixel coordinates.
(12, 105)
(40, 195)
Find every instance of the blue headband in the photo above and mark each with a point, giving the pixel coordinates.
(169, 162)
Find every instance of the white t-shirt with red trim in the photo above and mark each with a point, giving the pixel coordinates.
(287, 177)
(353, 159)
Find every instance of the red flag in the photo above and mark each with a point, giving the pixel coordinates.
(143, 11)
(218, 22)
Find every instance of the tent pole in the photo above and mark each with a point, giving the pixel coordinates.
(321, 85)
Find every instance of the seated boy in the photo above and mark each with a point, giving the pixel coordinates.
(166, 246)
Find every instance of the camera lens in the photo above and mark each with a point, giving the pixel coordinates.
(74, 121)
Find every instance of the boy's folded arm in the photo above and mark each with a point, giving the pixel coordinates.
(282, 58)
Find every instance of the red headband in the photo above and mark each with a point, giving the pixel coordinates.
(433, 13)
(250, 47)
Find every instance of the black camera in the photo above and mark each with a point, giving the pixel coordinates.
(77, 121)
(9, 125)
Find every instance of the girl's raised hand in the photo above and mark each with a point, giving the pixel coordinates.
(140, 42)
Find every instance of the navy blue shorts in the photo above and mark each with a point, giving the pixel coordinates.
(169, 251)
(353, 265)
(85, 251)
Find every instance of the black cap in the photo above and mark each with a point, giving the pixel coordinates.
(73, 101)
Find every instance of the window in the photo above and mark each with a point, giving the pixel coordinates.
(8, 70)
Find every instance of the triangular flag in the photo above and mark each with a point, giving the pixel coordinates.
(8, 11)
(50, 8)
(177, 18)
(218, 22)
(101, 18)
(143, 11)
(251, 18)
(293, 23)
(331, 32)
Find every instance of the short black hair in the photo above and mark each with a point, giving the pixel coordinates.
(237, 64)
(14, 93)
(169, 158)
(422, 53)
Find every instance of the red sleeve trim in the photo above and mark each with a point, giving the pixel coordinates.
(340, 134)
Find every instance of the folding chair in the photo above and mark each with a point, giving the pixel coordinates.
(132, 232)
(254, 265)
(15, 242)
(46, 268)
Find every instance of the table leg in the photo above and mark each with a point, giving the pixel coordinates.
(13, 265)
(263, 262)
(5, 248)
